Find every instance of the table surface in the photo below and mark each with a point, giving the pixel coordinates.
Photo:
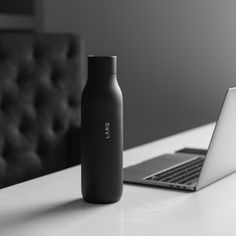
(52, 205)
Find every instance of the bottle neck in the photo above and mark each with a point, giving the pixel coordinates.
(102, 79)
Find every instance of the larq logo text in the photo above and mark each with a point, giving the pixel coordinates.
(107, 130)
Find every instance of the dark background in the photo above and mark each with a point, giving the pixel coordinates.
(19, 7)
(175, 58)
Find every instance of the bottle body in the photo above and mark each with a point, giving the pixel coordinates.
(102, 158)
(102, 140)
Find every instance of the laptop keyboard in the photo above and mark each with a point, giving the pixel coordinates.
(187, 173)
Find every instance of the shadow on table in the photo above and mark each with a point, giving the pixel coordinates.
(54, 212)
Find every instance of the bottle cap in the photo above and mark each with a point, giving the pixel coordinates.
(101, 65)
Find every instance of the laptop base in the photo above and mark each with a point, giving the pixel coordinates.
(141, 172)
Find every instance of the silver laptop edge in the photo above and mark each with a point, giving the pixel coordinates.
(219, 160)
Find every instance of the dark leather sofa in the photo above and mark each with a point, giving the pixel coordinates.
(41, 79)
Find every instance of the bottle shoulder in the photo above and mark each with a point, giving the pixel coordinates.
(100, 99)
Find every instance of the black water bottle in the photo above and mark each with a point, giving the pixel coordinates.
(102, 132)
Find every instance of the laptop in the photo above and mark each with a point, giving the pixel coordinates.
(191, 171)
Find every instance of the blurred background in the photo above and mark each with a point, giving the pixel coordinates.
(175, 58)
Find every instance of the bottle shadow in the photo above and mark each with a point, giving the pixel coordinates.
(19, 219)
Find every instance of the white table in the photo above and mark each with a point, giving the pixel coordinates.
(52, 205)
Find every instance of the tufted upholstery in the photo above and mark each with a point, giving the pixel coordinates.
(41, 78)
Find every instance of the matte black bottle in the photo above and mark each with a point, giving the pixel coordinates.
(102, 132)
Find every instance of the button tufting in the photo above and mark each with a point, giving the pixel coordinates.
(37, 53)
(40, 89)
(44, 145)
(7, 103)
(58, 124)
(41, 99)
(23, 79)
(57, 79)
(27, 128)
(7, 151)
